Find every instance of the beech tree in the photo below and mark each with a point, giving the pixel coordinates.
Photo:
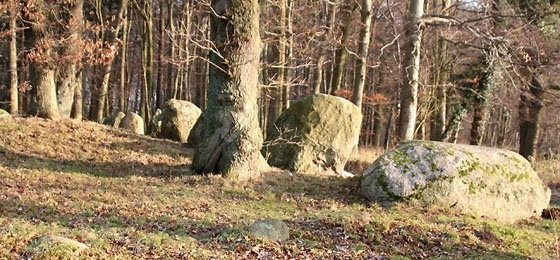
(69, 72)
(231, 138)
(161, 51)
(107, 55)
(13, 9)
(411, 67)
(40, 45)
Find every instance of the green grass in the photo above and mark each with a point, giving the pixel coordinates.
(130, 197)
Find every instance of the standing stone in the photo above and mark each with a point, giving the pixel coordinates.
(315, 135)
(133, 122)
(177, 119)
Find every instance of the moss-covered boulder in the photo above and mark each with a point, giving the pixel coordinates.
(4, 113)
(481, 181)
(114, 119)
(272, 229)
(177, 119)
(133, 122)
(53, 247)
(315, 135)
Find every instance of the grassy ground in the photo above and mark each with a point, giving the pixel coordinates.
(132, 197)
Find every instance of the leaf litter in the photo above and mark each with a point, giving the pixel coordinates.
(128, 196)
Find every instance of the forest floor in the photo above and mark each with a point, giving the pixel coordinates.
(133, 197)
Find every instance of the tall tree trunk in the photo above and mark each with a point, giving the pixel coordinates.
(342, 52)
(529, 110)
(171, 68)
(123, 94)
(409, 90)
(147, 60)
(318, 75)
(483, 90)
(231, 138)
(365, 37)
(453, 125)
(440, 80)
(71, 54)
(276, 91)
(77, 105)
(41, 67)
(14, 93)
(288, 38)
(109, 52)
(161, 97)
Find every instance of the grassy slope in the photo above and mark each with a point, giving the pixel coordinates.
(131, 197)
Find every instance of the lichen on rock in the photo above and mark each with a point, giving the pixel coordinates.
(482, 181)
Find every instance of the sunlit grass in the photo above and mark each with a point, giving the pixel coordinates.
(133, 197)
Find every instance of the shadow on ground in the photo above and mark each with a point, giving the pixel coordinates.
(310, 236)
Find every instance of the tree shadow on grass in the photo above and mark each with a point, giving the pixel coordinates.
(407, 241)
(310, 236)
(116, 167)
(118, 231)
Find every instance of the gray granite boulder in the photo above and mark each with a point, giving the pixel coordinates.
(481, 181)
(133, 122)
(177, 119)
(315, 135)
(272, 229)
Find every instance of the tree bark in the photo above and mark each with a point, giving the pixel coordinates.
(161, 97)
(109, 52)
(529, 110)
(409, 89)
(365, 37)
(442, 64)
(318, 75)
(77, 105)
(342, 52)
(14, 92)
(275, 91)
(123, 94)
(71, 54)
(41, 66)
(483, 90)
(288, 38)
(231, 138)
(147, 60)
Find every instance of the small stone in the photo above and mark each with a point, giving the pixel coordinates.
(272, 229)
(42, 245)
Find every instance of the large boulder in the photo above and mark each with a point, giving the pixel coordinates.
(114, 119)
(315, 135)
(133, 122)
(177, 119)
(481, 181)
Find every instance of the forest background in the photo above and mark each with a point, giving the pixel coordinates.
(487, 71)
